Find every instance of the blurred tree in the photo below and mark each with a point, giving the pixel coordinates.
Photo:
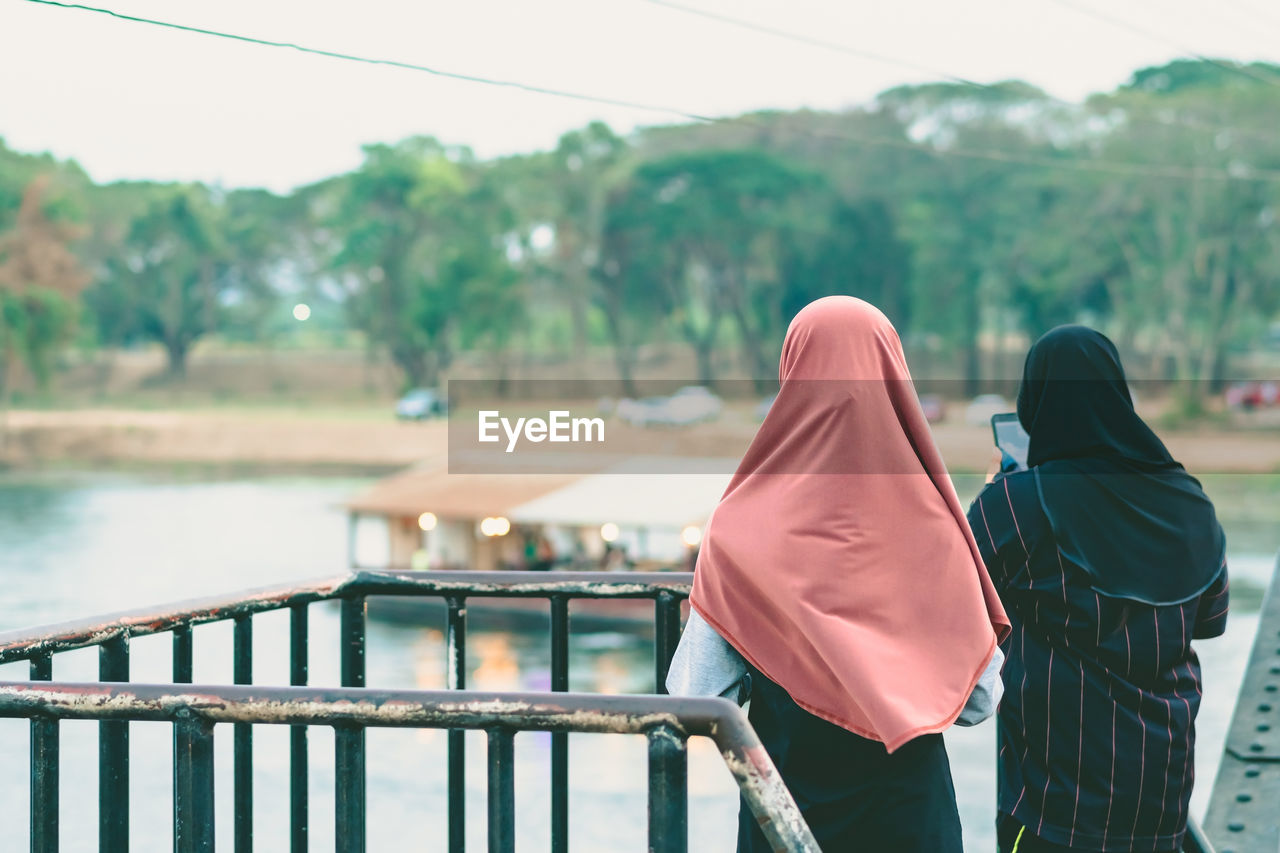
(858, 253)
(483, 264)
(706, 229)
(162, 281)
(629, 275)
(959, 210)
(66, 185)
(976, 217)
(1199, 253)
(384, 223)
(40, 284)
(422, 241)
(256, 264)
(584, 164)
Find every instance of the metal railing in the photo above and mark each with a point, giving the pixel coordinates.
(111, 636)
(350, 709)
(667, 723)
(1244, 809)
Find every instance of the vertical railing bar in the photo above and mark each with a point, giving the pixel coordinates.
(45, 760)
(183, 654)
(668, 791)
(666, 636)
(242, 673)
(502, 791)
(193, 795)
(349, 742)
(559, 740)
(183, 673)
(352, 628)
(299, 773)
(349, 794)
(113, 754)
(456, 679)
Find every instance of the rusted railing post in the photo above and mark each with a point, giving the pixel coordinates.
(44, 769)
(349, 776)
(183, 671)
(193, 829)
(349, 794)
(502, 791)
(183, 654)
(559, 740)
(298, 764)
(242, 673)
(113, 755)
(456, 679)
(666, 636)
(668, 791)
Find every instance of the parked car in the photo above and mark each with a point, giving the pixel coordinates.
(980, 410)
(640, 412)
(420, 404)
(934, 408)
(690, 405)
(1247, 396)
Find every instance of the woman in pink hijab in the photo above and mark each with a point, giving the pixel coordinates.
(840, 565)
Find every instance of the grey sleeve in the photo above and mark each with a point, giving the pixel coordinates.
(986, 693)
(704, 663)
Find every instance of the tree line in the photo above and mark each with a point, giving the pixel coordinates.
(967, 213)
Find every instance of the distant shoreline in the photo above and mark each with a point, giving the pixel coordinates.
(245, 441)
(364, 443)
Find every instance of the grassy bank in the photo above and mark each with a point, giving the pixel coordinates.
(325, 437)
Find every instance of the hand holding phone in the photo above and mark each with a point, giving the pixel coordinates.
(1012, 441)
(997, 464)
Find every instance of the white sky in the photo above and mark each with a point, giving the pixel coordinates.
(134, 101)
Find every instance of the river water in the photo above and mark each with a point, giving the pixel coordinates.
(78, 545)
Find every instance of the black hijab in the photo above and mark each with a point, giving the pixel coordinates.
(1120, 506)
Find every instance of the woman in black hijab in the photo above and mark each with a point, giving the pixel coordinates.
(1109, 561)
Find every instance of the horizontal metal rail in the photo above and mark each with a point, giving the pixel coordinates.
(23, 644)
(667, 721)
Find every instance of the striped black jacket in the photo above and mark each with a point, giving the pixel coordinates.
(1097, 724)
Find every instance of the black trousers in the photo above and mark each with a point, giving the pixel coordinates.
(854, 795)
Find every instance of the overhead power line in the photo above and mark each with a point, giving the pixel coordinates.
(1264, 13)
(991, 155)
(394, 63)
(1105, 167)
(850, 50)
(801, 38)
(1242, 70)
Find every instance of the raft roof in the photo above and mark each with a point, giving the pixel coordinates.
(458, 497)
(640, 492)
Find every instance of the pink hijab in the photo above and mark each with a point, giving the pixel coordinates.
(838, 561)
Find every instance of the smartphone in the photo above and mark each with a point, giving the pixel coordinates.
(1012, 440)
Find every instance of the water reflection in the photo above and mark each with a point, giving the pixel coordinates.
(427, 651)
(498, 668)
